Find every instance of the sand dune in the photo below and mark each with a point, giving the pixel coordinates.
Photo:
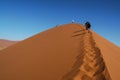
(66, 52)
(111, 54)
(91, 65)
(6, 43)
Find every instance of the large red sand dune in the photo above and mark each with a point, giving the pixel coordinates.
(66, 52)
(111, 54)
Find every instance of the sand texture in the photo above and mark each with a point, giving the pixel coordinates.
(65, 52)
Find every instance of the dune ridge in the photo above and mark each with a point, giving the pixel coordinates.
(89, 64)
(65, 52)
(111, 55)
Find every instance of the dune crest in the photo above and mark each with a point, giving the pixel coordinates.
(89, 64)
(65, 52)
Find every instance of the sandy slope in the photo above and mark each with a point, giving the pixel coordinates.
(6, 43)
(111, 54)
(46, 56)
(90, 64)
(65, 52)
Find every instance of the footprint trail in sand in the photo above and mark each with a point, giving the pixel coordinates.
(89, 63)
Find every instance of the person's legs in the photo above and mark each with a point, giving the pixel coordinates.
(86, 27)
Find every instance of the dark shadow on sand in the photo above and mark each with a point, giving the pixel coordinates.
(78, 34)
(78, 31)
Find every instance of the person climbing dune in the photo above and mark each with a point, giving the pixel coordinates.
(87, 25)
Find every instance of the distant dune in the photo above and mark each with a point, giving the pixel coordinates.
(6, 43)
(66, 52)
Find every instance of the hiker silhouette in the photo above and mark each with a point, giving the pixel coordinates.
(87, 25)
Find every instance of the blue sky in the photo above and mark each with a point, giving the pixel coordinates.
(20, 19)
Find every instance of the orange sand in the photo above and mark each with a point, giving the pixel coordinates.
(111, 54)
(55, 53)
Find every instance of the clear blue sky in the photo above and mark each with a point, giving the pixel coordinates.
(20, 19)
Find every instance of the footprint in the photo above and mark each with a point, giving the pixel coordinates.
(85, 77)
